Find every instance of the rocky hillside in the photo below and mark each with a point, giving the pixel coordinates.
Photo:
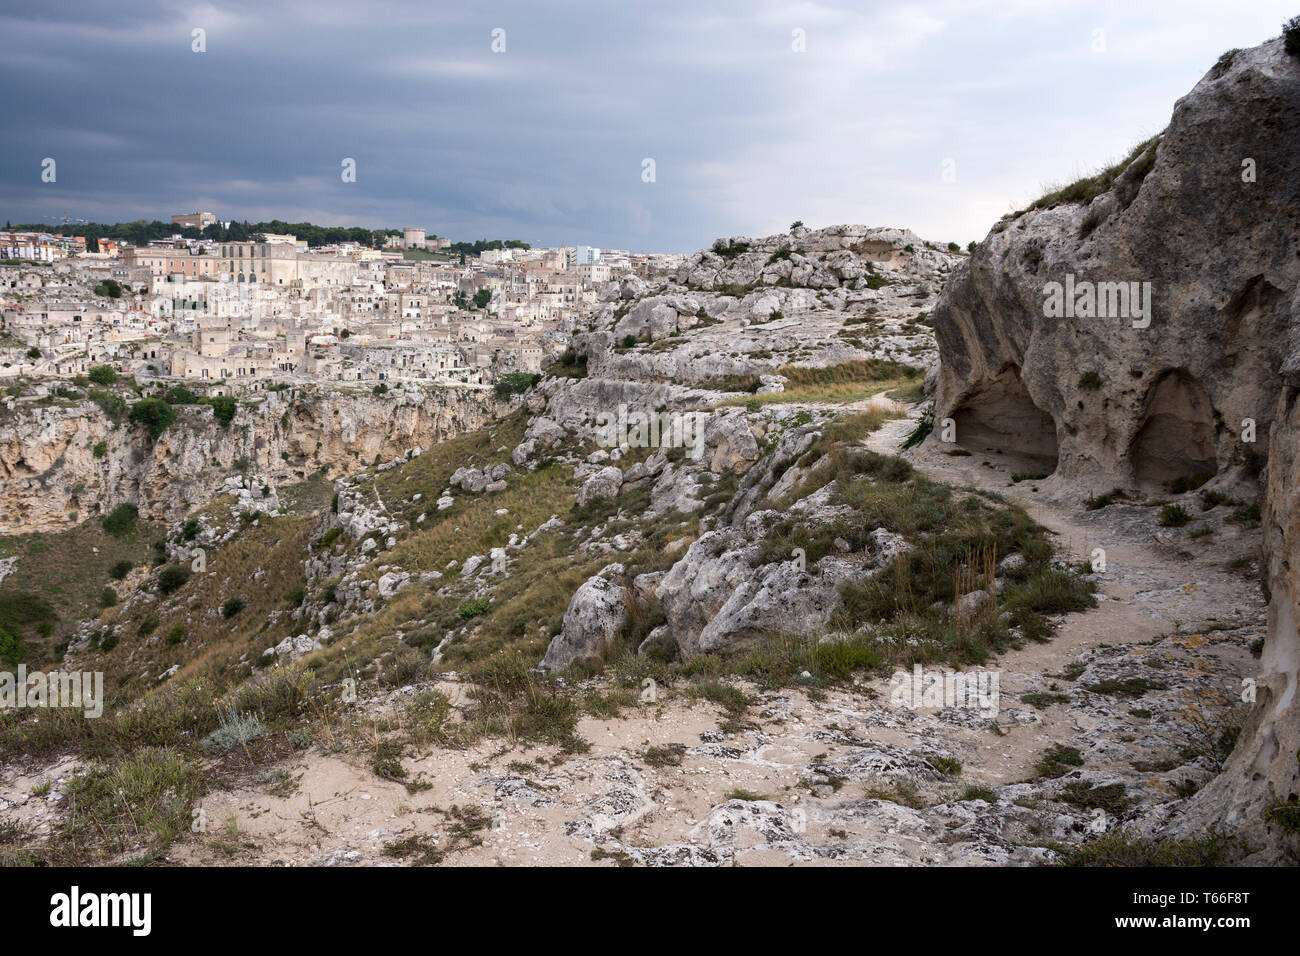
(680, 602)
(66, 459)
(1191, 400)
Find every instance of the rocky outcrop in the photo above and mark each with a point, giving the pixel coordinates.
(1108, 393)
(592, 623)
(52, 474)
(1077, 377)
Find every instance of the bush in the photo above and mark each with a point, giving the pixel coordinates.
(236, 730)
(1174, 516)
(380, 389)
(232, 607)
(100, 449)
(121, 520)
(180, 395)
(154, 414)
(113, 406)
(223, 408)
(107, 597)
(120, 570)
(176, 634)
(172, 578)
(569, 365)
(1291, 34)
(473, 608)
(515, 383)
(102, 374)
(33, 353)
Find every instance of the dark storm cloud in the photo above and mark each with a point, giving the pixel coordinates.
(545, 141)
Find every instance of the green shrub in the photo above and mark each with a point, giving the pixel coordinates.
(1174, 516)
(516, 383)
(1128, 848)
(1187, 483)
(172, 578)
(231, 607)
(176, 634)
(100, 449)
(113, 406)
(472, 608)
(571, 364)
(121, 520)
(120, 570)
(102, 374)
(1291, 35)
(223, 408)
(107, 597)
(154, 414)
(180, 395)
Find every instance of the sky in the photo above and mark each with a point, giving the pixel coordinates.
(648, 126)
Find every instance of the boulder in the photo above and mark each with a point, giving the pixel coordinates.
(603, 485)
(592, 623)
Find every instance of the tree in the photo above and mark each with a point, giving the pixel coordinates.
(223, 408)
(33, 353)
(514, 383)
(154, 414)
(121, 519)
(102, 374)
(482, 297)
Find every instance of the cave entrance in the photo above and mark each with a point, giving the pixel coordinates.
(1002, 419)
(1174, 448)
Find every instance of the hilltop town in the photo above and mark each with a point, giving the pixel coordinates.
(236, 316)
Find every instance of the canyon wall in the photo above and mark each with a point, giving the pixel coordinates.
(51, 476)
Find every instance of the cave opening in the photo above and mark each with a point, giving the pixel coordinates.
(1002, 419)
(1174, 450)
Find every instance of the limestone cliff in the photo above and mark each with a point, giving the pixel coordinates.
(52, 474)
(1106, 396)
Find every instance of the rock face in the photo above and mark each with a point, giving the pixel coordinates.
(1133, 400)
(50, 476)
(1209, 216)
(1264, 769)
(592, 623)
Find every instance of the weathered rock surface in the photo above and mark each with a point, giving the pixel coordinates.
(592, 623)
(51, 479)
(1114, 401)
